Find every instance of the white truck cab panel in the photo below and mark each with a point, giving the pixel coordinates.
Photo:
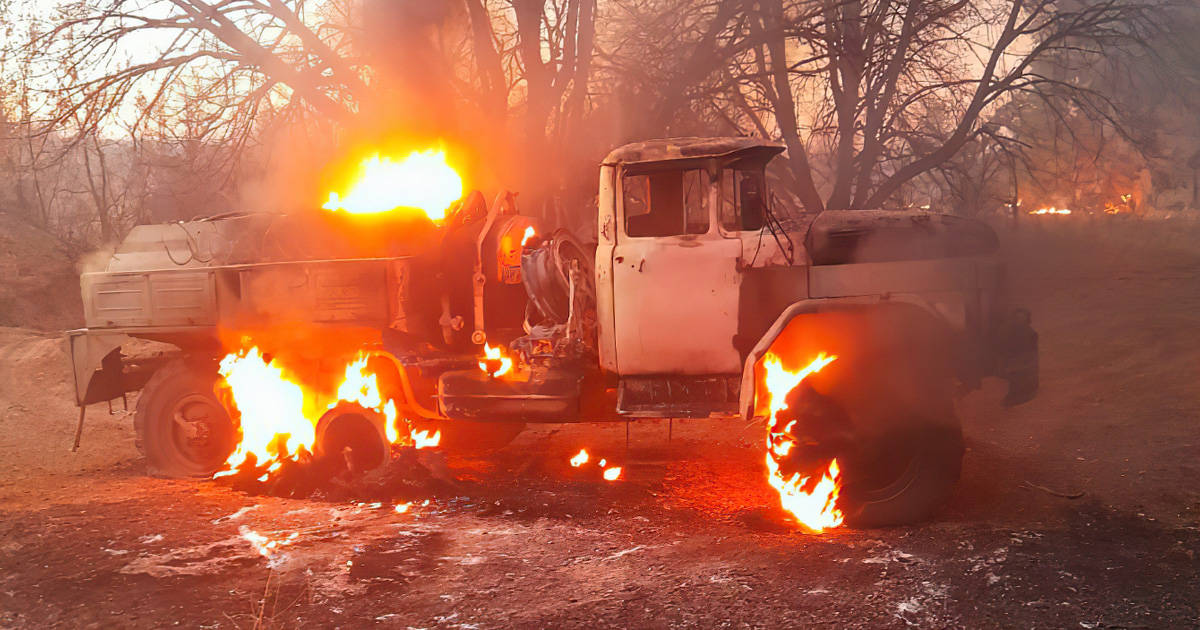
(675, 271)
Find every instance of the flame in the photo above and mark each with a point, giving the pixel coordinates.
(494, 362)
(276, 425)
(359, 386)
(816, 509)
(423, 180)
(273, 424)
(529, 233)
(1119, 207)
(422, 439)
(582, 457)
(1050, 210)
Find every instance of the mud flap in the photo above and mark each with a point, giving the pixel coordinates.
(1017, 355)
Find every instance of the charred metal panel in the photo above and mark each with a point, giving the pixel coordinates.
(552, 396)
(765, 293)
(349, 292)
(859, 236)
(325, 291)
(671, 149)
(678, 396)
(88, 352)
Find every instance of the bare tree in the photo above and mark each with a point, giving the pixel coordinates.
(853, 84)
(376, 69)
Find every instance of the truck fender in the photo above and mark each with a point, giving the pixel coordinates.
(88, 353)
(746, 401)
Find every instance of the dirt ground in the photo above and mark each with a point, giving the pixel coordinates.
(690, 536)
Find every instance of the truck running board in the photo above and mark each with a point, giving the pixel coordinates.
(546, 397)
(678, 396)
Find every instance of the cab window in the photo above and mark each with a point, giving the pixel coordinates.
(743, 199)
(668, 203)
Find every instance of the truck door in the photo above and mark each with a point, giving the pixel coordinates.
(675, 277)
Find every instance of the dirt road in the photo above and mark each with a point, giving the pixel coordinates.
(689, 536)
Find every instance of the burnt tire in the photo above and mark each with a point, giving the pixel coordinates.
(901, 477)
(182, 428)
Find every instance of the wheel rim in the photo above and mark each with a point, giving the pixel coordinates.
(200, 431)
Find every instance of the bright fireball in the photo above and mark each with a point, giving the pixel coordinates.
(423, 180)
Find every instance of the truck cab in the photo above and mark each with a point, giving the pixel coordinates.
(697, 273)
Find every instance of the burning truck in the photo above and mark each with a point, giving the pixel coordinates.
(365, 326)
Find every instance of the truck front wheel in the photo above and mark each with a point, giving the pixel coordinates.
(901, 477)
(182, 428)
(899, 461)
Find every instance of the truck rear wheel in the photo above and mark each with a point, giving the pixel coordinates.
(182, 429)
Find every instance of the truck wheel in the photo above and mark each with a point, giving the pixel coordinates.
(901, 477)
(468, 437)
(182, 429)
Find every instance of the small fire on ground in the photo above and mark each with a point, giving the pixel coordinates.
(278, 416)
(812, 500)
(1050, 210)
(611, 473)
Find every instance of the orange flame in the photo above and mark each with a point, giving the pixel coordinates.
(816, 510)
(423, 180)
(1050, 210)
(494, 362)
(273, 424)
(529, 233)
(279, 416)
(609, 473)
(422, 439)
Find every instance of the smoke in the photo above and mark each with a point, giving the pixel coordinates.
(95, 260)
